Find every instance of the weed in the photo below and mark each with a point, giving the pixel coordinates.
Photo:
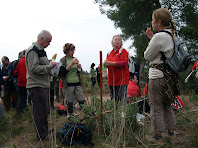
(3, 128)
(17, 131)
(116, 123)
(194, 97)
(119, 127)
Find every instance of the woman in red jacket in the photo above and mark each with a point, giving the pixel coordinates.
(118, 72)
(133, 89)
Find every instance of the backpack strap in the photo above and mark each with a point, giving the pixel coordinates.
(163, 57)
(167, 32)
(120, 51)
(41, 53)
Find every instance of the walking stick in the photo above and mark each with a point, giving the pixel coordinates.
(87, 100)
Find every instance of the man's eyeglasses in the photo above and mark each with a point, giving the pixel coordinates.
(48, 40)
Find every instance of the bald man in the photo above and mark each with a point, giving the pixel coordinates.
(38, 81)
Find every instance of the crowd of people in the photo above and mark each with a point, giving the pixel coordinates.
(30, 78)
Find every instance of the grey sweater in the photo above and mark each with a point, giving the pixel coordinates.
(38, 67)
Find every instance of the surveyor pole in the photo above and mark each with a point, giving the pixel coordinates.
(100, 92)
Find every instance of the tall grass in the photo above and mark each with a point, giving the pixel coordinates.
(187, 119)
(119, 128)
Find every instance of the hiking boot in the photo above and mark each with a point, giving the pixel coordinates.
(46, 138)
(71, 115)
(173, 133)
(49, 137)
(158, 140)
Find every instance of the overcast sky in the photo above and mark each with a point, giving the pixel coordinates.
(69, 21)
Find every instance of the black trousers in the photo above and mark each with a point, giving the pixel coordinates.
(22, 99)
(93, 80)
(7, 98)
(119, 93)
(40, 98)
(52, 98)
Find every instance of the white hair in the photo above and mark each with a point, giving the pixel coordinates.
(114, 37)
(44, 34)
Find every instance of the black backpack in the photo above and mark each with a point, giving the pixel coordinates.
(180, 59)
(75, 133)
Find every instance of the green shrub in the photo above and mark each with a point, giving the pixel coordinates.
(117, 124)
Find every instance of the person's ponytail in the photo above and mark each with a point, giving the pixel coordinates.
(173, 27)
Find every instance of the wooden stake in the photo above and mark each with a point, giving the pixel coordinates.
(100, 92)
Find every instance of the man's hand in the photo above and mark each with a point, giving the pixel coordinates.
(2, 87)
(108, 63)
(5, 78)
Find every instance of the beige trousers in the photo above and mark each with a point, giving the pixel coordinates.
(162, 116)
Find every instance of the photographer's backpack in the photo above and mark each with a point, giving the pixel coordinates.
(75, 133)
(180, 59)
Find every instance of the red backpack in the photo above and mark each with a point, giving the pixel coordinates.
(61, 109)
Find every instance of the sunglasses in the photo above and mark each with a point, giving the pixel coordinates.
(72, 49)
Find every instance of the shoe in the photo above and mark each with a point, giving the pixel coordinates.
(140, 117)
(51, 130)
(75, 105)
(173, 133)
(71, 115)
(49, 137)
(158, 140)
(46, 138)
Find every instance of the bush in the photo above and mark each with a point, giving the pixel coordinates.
(118, 125)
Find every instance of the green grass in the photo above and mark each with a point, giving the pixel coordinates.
(115, 126)
(117, 131)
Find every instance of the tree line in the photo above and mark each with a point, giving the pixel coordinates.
(134, 16)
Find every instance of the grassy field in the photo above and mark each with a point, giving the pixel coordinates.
(118, 130)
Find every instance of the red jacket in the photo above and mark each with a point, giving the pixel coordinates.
(60, 84)
(119, 74)
(145, 90)
(133, 90)
(20, 72)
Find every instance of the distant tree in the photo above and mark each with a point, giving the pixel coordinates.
(185, 14)
(190, 30)
(134, 16)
